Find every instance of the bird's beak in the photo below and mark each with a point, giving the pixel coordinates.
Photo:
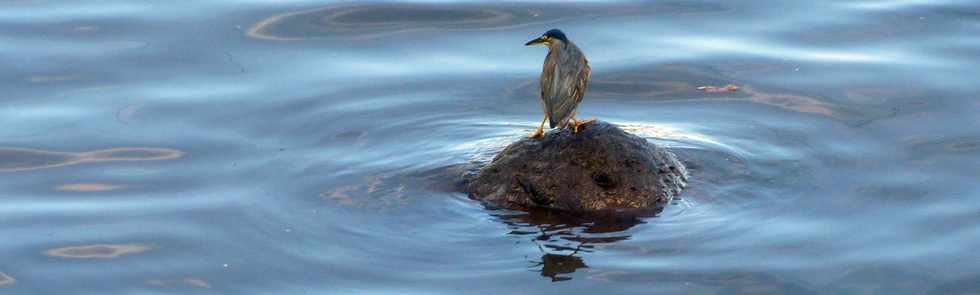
(539, 40)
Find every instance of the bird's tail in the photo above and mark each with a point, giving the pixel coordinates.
(559, 123)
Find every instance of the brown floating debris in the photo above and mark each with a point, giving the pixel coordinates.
(714, 89)
(102, 251)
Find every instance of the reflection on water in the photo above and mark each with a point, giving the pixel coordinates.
(57, 78)
(554, 266)
(797, 103)
(561, 236)
(6, 279)
(88, 187)
(127, 114)
(372, 21)
(373, 194)
(97, 251)
(378, 20)
(174, 283)
(19, 159)
(845, 163)
(731, 282)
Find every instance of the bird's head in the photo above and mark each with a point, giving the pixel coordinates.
(549, 37)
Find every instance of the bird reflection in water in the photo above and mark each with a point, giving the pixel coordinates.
(554, 266)
(563, 237)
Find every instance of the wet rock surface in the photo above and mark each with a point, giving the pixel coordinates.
(600, 168)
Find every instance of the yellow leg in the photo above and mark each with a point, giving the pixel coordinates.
(577, 125)
(540, 132)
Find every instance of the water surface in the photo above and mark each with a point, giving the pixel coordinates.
(310, 147)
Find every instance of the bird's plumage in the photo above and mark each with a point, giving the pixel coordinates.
(564, 79)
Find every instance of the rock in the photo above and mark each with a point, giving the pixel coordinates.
(600, 168)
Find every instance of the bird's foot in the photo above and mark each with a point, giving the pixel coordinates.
(577, 125)
(537, 134)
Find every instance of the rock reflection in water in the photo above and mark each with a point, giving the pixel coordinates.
(563, 237)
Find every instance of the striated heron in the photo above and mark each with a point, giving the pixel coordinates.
(563, 81)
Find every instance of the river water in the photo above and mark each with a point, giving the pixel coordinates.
(310, 147)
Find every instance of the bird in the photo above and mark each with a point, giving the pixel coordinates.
(564, 78)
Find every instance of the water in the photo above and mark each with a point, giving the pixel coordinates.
(303, 147)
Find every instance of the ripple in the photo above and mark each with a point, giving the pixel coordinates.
(670, 132)
(711, 45)
(733, 282)
(100, 251)
(868, 277)
(790, 102)
(891, 4)
(188, 281)
(52, 78)
(964, 285)
(6, 279)
(21, 159)
(197, 282)
(366, 21)
(127, 113)
(375, 20)
(964, 146)
(900, 192)
(352, 135)
(921, 147)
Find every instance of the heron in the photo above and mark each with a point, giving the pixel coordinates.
(564, 78)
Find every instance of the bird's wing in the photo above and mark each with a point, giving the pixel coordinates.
(550, 89)
(567, 89)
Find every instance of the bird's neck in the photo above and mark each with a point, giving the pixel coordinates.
(557, 45)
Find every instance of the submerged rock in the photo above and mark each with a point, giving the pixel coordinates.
(600, 168)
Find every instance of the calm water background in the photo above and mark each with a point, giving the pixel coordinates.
(307, 147)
